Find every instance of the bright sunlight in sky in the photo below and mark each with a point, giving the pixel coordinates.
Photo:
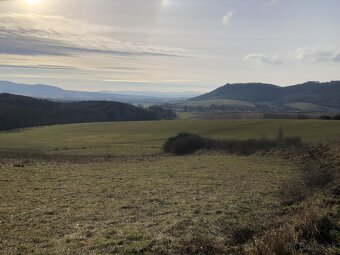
(33, 2)
(168, 45)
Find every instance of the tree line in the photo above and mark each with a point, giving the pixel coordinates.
(20, 112)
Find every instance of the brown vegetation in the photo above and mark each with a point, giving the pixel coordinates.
(187, 143)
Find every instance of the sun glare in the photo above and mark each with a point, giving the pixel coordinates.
(33, 2)
(165, 3)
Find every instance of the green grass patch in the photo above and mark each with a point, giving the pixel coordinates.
(141, 138)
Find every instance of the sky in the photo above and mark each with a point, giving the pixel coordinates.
(168, 45)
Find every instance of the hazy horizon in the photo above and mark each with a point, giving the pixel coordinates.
(160, 92)
(168, 45)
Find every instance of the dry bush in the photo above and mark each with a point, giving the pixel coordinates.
(276, 242)
(186, 143)
(310, 230)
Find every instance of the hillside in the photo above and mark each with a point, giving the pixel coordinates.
(319, 96)
(20, 112)
(252, 92)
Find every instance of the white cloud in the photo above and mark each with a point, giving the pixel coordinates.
(227, 18)
(33, 34)
(300, 54)
(262, 58)
(317, 55)
(271, 2)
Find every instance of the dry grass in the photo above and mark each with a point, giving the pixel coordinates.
(146, 207)
(106, 189)
(319, 166)
(309, 232)
(315, 228)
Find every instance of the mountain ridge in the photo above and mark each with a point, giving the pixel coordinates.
(325, 94)
(55, 93)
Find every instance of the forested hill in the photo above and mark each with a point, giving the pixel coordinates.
(325, 94)
(20, 112)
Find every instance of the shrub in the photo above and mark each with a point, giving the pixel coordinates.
(184, 143)
(274, 241)
(244, 147)
(293, 141)
(325, 117)
(336, 117)
(321, 230)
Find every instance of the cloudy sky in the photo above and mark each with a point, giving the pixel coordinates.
(168, 45)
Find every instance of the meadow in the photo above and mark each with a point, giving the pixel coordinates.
(141, 138)
(107, 188)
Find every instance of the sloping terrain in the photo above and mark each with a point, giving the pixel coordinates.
(134, 206)
(20, 112)
(321, 96)
(56, 197)
(252, 92)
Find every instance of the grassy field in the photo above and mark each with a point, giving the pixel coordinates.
(140, 138)
(135, 207)
(141, 201)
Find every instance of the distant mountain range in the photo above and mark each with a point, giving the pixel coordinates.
(308, 97)
(55, 93)
(157, 94)
(260, 97)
